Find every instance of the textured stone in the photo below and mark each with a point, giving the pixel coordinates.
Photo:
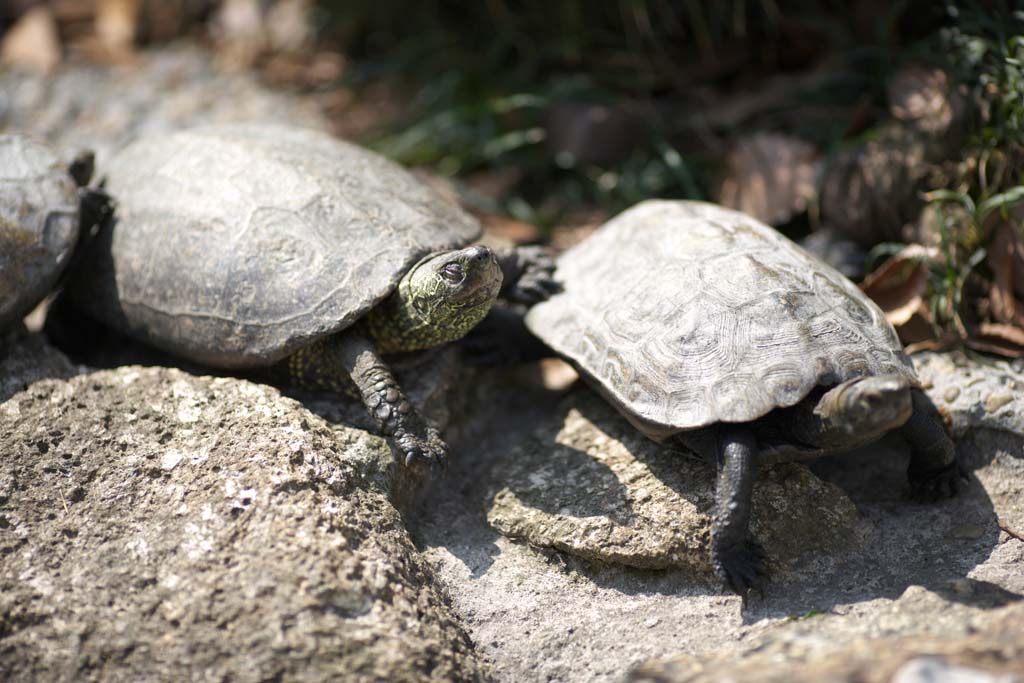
(921, 638)
(974, 395)
(27, 360)
(590, 484)
(156, 525)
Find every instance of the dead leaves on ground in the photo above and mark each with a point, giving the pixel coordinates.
(992, 322)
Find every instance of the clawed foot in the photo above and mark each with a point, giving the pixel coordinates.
(741, 566)
(422, 446)
(932, 485)
(536, 278)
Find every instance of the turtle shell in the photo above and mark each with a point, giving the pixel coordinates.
(686, 314)
(235, 245)
(38, 224)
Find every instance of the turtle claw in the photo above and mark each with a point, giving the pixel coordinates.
(536, 276)
(933, 485)
(427, 448)
(742, 567)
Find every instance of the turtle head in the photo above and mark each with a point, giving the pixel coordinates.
(439, 300)
(868, 405)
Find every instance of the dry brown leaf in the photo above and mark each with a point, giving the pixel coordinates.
(770, 176)
(899, 285)
(32, 42)
(1003, 339)
(117, 25)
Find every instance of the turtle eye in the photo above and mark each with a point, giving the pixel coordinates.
(452, 272)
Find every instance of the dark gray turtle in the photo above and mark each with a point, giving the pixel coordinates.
(252, 246)
(43, 205)
(701, 324)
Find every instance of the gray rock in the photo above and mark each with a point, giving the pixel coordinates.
(921, 638)
(589, 484)
(159, 526)
(977, 396)
(103, 108)
(24, 360)
(541, 614)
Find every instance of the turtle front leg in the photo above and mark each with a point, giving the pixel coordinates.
(528, 274)
(934, 470)
(735, 554)
(352, 355)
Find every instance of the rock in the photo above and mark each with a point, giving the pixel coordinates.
(82, 105)
(770, 176)
(975, 396)
(589, 484)
(28, 360)
(539, 614)
(921, 638)
(983, 400)
(869, 191)
(156, 525)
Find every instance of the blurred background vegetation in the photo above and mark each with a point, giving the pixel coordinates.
(611, 102)
(887, 135)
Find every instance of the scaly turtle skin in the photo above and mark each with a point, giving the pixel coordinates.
(255, 246)
(43, 206)
(700, 324)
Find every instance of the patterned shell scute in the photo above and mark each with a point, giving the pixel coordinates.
(38, 224)
(236, 245)
(687, 314)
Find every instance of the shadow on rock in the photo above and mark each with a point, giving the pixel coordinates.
(588, 484)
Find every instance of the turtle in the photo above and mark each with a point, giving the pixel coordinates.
(248, 246)
(45, 207)
(708, 329)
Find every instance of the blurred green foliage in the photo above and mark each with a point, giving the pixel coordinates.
(481, 80)
(983, 45)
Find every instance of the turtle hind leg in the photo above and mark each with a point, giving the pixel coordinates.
(934, 470)
(737, 557)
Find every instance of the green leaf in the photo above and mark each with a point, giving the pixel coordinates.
(950, 196)
(1002, 201)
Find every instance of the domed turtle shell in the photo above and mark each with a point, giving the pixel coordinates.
(38, 224)
(686, 314)
(235, 245)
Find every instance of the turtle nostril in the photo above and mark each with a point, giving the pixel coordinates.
(479, 253)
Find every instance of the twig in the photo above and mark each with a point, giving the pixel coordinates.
(65, 503)
(1007, 529)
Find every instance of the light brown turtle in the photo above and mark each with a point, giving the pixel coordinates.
(703, 325)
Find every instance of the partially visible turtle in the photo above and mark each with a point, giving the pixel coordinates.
(251, 246)
(703, 325)
(44, 208)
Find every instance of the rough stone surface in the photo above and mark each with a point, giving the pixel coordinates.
(980, 397)
(156, 525)
(82, 105)
(590, 484)
(27, 360)
(921, 638)
(547, 615)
